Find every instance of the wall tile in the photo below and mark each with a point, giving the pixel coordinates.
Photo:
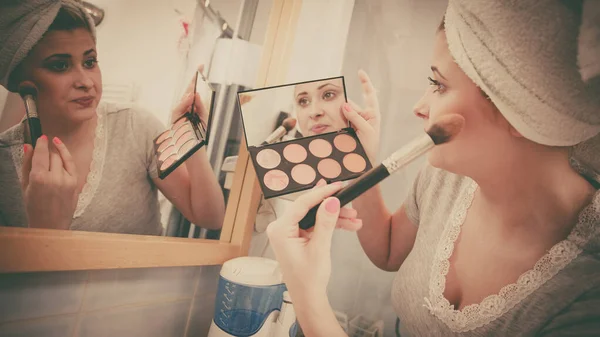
(55, 326)
(202, 315)
(208, 280)
(32, 295)
(156, 320)
(109, 288)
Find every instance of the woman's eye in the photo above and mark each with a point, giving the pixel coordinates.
(90, 63)
(329, 95)
(303, 102)
(58, 66)
(439, 86)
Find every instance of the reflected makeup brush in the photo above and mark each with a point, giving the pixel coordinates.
(28, 92)
(287, 124)
(443, 131)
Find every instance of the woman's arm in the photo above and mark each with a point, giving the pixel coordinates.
(305, 259)
(386, 238)
(195, 192)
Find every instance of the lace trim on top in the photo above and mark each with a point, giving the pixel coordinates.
(476, 315)
(96, 167)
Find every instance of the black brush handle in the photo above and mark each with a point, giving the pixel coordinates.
(350, 192)
(35, 129)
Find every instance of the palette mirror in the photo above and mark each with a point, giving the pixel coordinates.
(150, 56)
(297, 135)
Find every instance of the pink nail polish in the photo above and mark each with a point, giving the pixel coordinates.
(56, 141)
(44, 137)
(332, 205)
(347, 107)
(25, 148)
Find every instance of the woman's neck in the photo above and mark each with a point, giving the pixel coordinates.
(536, 192)
(73, 135)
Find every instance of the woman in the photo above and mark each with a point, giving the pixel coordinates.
(94, 169)
(318, 106)
(500, 233)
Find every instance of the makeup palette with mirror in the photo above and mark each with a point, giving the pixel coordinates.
(320, 145)
(187, 134)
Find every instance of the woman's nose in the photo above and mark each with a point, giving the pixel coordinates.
(82, 79)
(421, 109)
(316, 111)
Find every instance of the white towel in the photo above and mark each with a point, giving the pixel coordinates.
(22, 25)
(526, 56)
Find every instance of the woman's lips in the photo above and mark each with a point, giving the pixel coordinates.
(319, 128)
(85, 102)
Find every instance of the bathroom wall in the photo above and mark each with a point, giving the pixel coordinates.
(132, 302)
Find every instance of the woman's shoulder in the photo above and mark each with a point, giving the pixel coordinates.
(132, 119)
(437, 184)
(12, 137)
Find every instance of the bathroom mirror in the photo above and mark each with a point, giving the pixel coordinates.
(304, 109)
(158, 87)
(149, 58)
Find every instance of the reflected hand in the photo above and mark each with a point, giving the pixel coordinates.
(49, 184)
(185, 105)
(367, 120)
(305, 258)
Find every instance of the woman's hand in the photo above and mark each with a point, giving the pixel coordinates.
(49, 184)
(187, 99)
(305, 258)
(367, 120)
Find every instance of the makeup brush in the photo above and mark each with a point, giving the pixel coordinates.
(287, 124)
(441, 132)
(28, 92)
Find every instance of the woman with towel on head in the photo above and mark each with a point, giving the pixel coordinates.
(94, 168)
(500, 234)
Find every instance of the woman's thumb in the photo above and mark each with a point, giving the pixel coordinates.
(327, 217)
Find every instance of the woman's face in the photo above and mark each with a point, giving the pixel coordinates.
(318, 106)
(63, 66)
(485, 135)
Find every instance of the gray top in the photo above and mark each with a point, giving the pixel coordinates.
(119, 195)
(560, 296)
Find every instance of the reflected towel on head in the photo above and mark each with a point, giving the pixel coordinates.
(536, 65)
(22, 25)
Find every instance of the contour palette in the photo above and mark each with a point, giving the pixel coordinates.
(185, 136)
(296, 165)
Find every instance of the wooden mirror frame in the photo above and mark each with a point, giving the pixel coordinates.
(35, 250)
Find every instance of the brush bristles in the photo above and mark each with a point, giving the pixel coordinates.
(25, 90)
(446, 128)
(289, 123)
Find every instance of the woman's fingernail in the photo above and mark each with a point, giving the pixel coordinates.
(332, 205)
(338, 183)
(43, 137)
(25, 148)
(356, 220)
(321, 182)
(56, 141)
(347, 107)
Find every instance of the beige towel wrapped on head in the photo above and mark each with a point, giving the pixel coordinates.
(525, 55)
(22, 25)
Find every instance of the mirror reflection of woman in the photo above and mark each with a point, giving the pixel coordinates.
(318, 106)
(94, 168)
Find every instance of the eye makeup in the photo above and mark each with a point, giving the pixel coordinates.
(186, 135)
(297, 165)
